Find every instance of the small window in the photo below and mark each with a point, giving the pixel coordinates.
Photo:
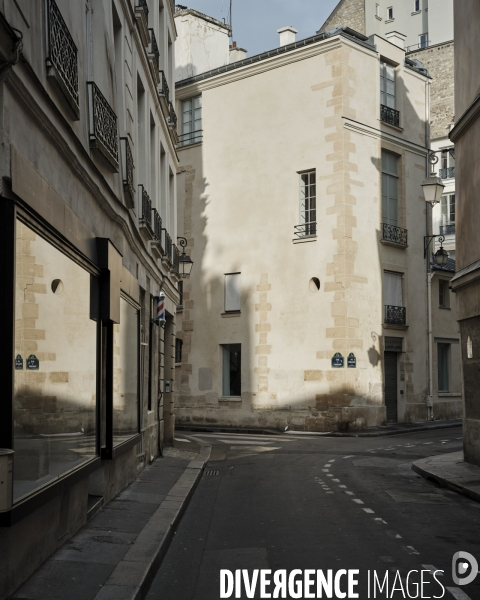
(178, 350)
(377, 10)
(423, 40)
(443, 367)
(232, 292)
(416, 5)
(443, 293)
(308, 205)
(389, 13)
(191, 121)
(180, 291)
(232, 366)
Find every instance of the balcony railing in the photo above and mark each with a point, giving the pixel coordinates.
(394, 234)
(306, 230)
(146, 207)
(103, 125)
(172, 120)
(157, 225)
(154, 51)
(447, 229)
(127, 171)
(193, 137)
(448, 173)
(175, 259)
(62, 55)
(141, 16)
(395, 315)
(167, 245)
(163, 89)
(143, 4)
(389, 115)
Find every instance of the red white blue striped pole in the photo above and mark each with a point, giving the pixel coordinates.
(160, 319)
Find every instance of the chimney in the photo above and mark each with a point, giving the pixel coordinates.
(396, 38)
(287, 35)
(236, 53)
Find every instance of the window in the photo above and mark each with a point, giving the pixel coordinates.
(423, 40)
(387, 85)
(191, 121)
(395, 312)
(443, 294)
(125, 385)
(180, 291)
(447, 164)
(443, 367)
(447, 207)
(390, 13)
(232, 366)
(308, 204)
(178, 350)
(55, 364)
(232, 292)
(416, 5)
(389, 188)
(377, 10)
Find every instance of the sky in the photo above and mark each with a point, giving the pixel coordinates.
(255, 22)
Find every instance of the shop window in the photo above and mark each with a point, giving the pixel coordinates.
(55, 364)
(125, 374)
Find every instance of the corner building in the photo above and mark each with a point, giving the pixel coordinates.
(303, 207)
(88, 228)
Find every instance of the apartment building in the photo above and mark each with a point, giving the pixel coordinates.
(88, 227)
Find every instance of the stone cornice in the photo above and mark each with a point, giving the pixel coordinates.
(466, 120)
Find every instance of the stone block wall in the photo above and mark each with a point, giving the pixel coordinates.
(350, 13)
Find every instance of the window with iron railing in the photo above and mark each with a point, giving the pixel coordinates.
(145, 207)
(447, 164)
(395, 312)
(308, 205)
(154, 51)
(175, 259)
(447, 208)
(172, 116)
(127, 171)
(167, 245)
(191, 121)
(391, 232)
(103, 125)
(163, 89)
(388, 112)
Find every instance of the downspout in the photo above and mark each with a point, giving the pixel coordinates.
(428, 218)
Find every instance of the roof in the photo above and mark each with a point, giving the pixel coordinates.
(184, 10)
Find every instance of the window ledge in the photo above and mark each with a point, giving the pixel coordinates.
(397, 327)
(389, 21)
(417, 12)
(377, 17)
(230, 399)
(392, 126)
(185, 146)
(178, 364)
(303, 240)
(445, 307)
(449, 394)
(233, 313)
(394, 245)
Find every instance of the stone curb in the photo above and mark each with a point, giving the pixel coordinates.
(452, 472)
(133, 575)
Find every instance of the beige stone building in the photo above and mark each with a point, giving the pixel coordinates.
(88, 225)
(303, 208)
(465, 136)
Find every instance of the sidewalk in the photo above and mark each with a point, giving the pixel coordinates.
(452, 472)
(117, 553)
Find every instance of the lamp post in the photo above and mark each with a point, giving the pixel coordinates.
(185, 262)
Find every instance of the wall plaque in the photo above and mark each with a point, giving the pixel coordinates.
(351, 361)
(393, 344)
(337, 361)
(33, 364)
(18, 363)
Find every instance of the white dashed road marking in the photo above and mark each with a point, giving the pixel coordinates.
(350, 493)
(379, 520)
(458, 594)
(412, 550)
(344, 487)
(350, 456)
(357, 500)
(369, 510)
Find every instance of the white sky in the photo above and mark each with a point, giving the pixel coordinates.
(255, 22)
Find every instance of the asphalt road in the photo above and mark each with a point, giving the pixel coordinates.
(300, 502)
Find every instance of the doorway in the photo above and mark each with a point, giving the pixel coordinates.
(391, 386)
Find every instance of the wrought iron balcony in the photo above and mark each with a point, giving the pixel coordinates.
(154, 52)
(141, 16)
(306, 230)
(62, 62)
(143, 4)
(145, 214)
(448, 173)
(127, 172)
(389, 115)
(163, 89)
(175, 259)
(103, 125)
(193, 137)
(167, 245)
(172, 117)
(394, 234)
(447, 229)
(395, 315)
(157, 225)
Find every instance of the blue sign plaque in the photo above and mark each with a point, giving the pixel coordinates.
(351, 361)
(33, 364)
(337, 361)
(18, 363)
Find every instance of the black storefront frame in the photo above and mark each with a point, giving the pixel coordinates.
(11, 211)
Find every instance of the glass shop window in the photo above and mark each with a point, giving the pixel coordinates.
(125, 374)
(55, 364)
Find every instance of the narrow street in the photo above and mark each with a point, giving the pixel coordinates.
(298, 501)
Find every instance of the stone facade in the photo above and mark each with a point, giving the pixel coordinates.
(347, 13)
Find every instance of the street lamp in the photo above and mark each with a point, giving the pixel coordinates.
(184, 261)
(433, 186)
(441, 255)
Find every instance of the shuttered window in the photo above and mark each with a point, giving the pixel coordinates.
(232, 292)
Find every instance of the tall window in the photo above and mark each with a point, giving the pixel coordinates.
(423, 40)
(308, 204)
(232, 366)
(447, 205)
(389, 188)
(395, 312)
(232, 292)
(443, 294)
(191, 121)
(377, 10)
(180, 291)
(443, 367)
(416, 5)
(387, 85)
(178, 350)
(447, 168)
(389, 13)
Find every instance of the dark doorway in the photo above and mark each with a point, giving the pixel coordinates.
(391, 385)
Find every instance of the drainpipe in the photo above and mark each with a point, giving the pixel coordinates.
(429, 398)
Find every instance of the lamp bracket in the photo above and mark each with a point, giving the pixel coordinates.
(427, 240)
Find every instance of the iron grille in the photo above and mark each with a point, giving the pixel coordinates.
(146, 207)
(389, 115)
(144, 6)
(175, 259)
(167, 246)
(395, 315)
(128, 166)
(448, 173)
(163, 88)
(447, 229)
(192, 137)
(306, 230)
(61, 51)
(394, 234)
(157, 226)
(172, 115)
(103, 123)
(154, 49)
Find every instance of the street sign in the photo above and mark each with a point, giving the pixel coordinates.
(33, 364)
(337, 361)
(18, 363)
(351, 361)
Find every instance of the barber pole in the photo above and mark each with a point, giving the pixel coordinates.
(160, 309)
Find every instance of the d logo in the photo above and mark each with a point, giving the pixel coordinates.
(461, 562)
